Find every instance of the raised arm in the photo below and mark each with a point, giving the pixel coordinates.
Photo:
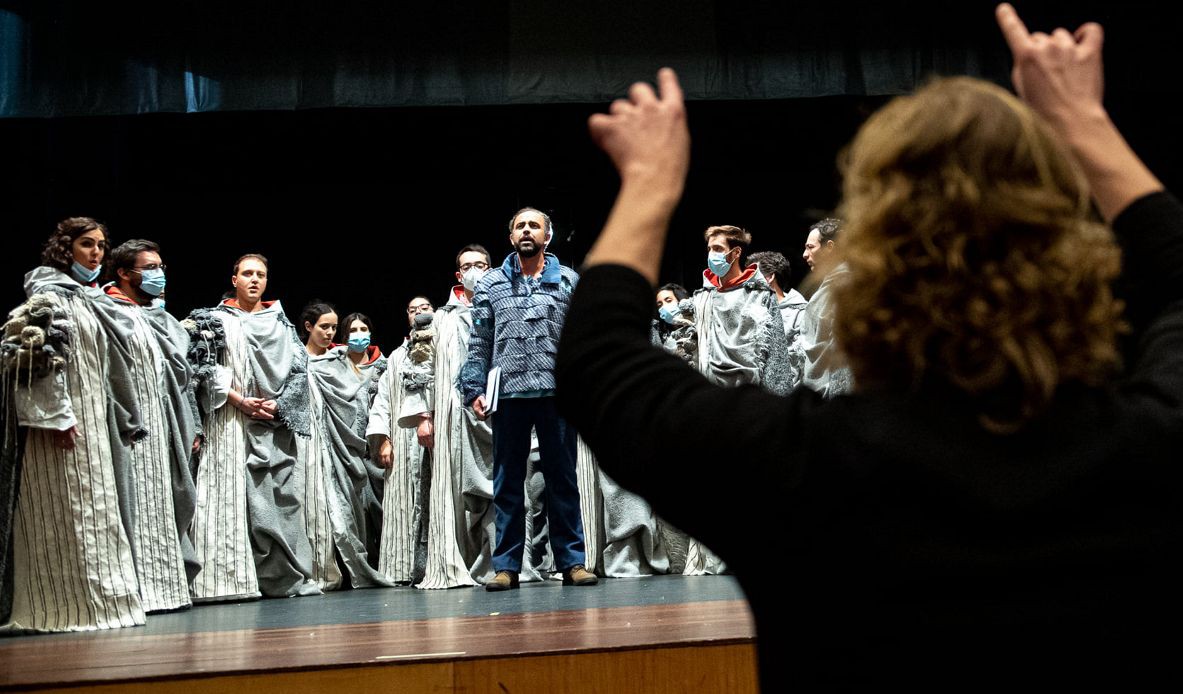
(656, 425)
(1061, 76)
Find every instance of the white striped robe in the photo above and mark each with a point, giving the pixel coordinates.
(159, 562)
(220, 535)
(446, 567)
(73, 568)
(402, 498)
(311, 455)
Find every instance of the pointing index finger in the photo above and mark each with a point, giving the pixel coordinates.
(1013, 29)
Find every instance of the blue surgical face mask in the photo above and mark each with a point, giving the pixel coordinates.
(359, 343)
(717, 263)
(84, 274)
(667, 314)
(152, 282)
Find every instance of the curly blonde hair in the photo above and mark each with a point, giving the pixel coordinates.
(975, 259)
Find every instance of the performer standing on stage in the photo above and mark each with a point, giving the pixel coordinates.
(338, 498)
(356, 333)
(253, 384)
(401, 432)
(66, 376)
(461, 531)
(741, 338)
(165, 496)
(824, 368)
(517, 314)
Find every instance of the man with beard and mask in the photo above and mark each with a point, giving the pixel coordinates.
(460, 536)
(165, 496)
(741, 337)
(823, 367)
(401, 435)
(517, 316)
(252, 384)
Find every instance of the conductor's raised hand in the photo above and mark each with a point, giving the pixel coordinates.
(1060, 74)
(645, 134)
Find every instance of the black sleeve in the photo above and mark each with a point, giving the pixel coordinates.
(701, 454)
(1150, 232)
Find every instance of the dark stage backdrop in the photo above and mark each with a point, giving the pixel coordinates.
(366, 206)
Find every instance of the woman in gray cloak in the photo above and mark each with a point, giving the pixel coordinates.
(65, 373)
(338, 496)
(356, 333)
(252, 386)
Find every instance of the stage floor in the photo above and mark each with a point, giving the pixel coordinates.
(391, 625)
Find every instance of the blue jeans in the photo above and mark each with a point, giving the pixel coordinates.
(512, 422)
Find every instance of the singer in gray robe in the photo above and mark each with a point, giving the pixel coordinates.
(249, 527)
(336, 465)
(164, 490)
(741, 340)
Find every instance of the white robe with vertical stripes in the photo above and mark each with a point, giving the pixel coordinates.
(221, 537)
(159, 561)
(311, 454)
(73, 566)
(403, 550)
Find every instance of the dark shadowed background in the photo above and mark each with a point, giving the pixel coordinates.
(359, 144)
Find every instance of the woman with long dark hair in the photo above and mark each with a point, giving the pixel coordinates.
(343, 514)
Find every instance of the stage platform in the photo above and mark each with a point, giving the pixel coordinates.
(659, 634)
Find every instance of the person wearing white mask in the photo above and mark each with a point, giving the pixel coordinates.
(165, 496)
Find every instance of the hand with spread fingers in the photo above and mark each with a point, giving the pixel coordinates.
(646, 134)
(647, 138)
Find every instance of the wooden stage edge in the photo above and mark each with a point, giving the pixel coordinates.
(706, 646)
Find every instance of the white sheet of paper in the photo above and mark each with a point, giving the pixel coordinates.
(492, 389)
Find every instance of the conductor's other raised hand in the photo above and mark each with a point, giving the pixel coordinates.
(1060, 75)
(646, 135)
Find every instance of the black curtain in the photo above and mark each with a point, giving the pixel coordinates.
(367, 206)
(80, 57)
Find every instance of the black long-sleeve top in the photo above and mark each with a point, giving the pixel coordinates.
(887, 535)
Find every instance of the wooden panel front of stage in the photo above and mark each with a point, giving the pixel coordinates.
(706, 646)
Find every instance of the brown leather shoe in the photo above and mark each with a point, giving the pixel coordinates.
(579, 576)
(504, 580)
